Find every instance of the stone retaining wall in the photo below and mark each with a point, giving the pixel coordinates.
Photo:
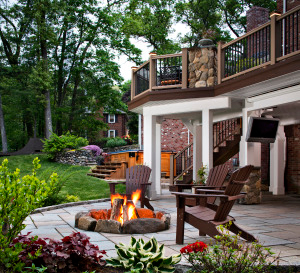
(80, 158)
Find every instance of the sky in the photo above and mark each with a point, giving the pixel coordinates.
(125, 66)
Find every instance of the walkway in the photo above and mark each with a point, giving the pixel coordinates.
(275, 222)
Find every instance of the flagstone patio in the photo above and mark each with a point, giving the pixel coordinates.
(275, 222)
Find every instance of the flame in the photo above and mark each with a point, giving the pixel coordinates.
(136, 196)
(131, 212)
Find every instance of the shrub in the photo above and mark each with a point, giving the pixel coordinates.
(202, 174)
(56, 144)
(74, 253)
(96, 149)
(18, 198)
(228, 254)
(143, 257)
(115, 142)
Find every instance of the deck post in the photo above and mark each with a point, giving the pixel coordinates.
(184, 68)
(152, 70)
(133, 81)
(275, 38)
(171, 169)
(197, 150)
(221, 62)
(207, 138)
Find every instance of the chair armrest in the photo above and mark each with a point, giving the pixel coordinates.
(193, 195)
(117, 182)
(210, 191)
(209, 187)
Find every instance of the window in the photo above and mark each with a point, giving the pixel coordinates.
(111, 133)
(111, 118)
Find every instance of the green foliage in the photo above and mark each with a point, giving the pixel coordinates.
(18, 198)
(202, 174)
(115, 142)
(229, 254)
(38, 269)
(56, 144)
(143, 257)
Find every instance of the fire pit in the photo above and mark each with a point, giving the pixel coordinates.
(123, 217)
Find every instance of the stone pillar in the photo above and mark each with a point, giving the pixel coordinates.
(277, 163)
(252, 188)
(207, 138)
(197, 150)
(202, 67)
(152, 152)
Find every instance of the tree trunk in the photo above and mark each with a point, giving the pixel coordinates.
(3, 131)
(43, 41)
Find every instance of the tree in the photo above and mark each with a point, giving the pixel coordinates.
(234, 12)
(151, 20)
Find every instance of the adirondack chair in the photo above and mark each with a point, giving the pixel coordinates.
(215, 179)
(241, 174)
(206, 219)
(137, 177)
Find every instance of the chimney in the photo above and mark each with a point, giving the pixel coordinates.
(256, 16)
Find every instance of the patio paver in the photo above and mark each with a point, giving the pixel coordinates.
(275, 222)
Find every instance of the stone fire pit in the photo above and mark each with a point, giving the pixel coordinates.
(159, 222)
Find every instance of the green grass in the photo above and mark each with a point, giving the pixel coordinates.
(77, 182)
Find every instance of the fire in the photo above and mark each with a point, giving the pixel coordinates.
(131, 212)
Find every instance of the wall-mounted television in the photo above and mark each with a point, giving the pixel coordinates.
(262, 130)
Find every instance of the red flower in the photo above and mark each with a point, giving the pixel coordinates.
(195, 247)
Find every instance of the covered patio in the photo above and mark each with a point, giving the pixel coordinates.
(275, 223)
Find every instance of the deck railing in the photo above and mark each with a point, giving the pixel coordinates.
(272, 42)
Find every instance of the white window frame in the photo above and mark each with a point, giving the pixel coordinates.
(113, 117)
(113, 131)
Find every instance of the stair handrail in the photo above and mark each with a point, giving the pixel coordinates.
(187, 163)
(230, 128)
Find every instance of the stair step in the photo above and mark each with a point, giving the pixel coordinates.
(103, 167)
(103, 171)
(98, 175)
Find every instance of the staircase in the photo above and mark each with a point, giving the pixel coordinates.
(109, 171)
(227, 136)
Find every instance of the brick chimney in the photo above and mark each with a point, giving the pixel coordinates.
(256, 16)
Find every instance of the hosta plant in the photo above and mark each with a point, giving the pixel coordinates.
(140, 256)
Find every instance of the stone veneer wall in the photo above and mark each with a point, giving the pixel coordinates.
(202, 67)
(80, 157)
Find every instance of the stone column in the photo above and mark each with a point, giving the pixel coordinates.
(252, 188)
(202, 67)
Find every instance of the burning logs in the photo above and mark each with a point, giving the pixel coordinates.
(130, 211)
(117, 210)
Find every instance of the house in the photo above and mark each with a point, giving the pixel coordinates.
(256, 75)
(116, 124)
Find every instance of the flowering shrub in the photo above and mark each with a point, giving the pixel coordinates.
(96, 149)
(115, 142)
(128, 139)
(228, 254)
(74, 253)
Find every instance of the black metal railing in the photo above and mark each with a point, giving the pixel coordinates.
(289, 32)
(226, 130)
(248, 52)
(142, 79)
(169, 71)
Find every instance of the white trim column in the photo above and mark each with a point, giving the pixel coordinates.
(140, 131)
(197, 150)
(207, 138)
(277, 163)
(152, 152)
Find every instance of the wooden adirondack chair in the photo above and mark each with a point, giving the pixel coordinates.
(215, 179)
(206, 219)
(241, 174)
(137, 177)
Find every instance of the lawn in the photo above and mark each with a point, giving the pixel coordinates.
(77, 182)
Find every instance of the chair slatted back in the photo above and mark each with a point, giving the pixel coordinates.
(236, 183)
(135, 176)
(216, 178)
(233, 188)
